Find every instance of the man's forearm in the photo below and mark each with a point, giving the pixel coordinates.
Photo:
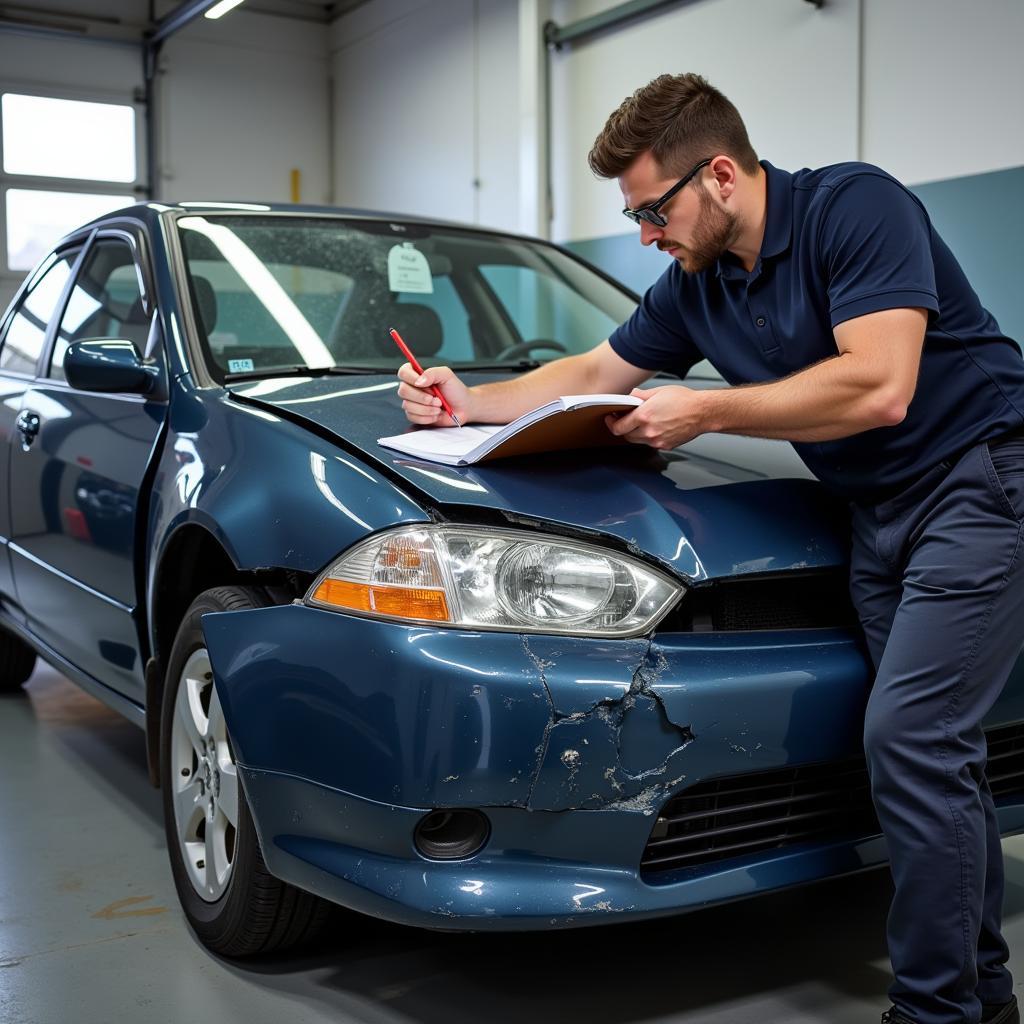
(835, 398)
(502, 401)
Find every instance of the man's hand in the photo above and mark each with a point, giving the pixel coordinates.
(598, 371)
(670, 416)
(422, 406)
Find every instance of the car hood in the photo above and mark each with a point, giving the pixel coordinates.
(718, 506)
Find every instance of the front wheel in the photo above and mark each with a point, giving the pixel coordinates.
(235, 905)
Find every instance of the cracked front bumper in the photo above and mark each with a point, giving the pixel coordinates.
(347, 731)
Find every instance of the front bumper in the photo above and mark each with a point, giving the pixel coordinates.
(347, 731)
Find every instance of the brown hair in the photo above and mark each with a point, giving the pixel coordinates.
(681, 119)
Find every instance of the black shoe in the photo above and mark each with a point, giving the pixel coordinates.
(1000, 1013)
(991, 1013)
(893, 1016)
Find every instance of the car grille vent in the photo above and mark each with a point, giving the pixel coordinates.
(737, 815)
(804, 600)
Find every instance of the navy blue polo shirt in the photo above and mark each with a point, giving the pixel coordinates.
(841, 242)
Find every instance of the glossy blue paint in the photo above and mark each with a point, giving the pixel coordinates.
(109, 365)
(674, 508)
(420, 724)
(569, 746)
(360, 854)
(305, 501)
(11, 393)
(74, 500)
(429, 717)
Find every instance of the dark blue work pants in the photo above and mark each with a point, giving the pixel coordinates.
(937, 577)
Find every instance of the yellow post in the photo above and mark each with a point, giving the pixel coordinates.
(296, 197)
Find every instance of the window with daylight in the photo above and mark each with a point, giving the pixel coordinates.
(63, 163)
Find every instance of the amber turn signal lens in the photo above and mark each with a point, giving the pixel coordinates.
(400, 602)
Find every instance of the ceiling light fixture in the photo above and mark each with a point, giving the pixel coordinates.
(222, 8)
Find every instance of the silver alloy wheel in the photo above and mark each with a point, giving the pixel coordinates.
(204, 779)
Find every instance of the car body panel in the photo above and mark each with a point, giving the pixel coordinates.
(444, 717)
(12, 391)
(314, 500)
(566, 743)
(717, 507)
(352, 851)
(75, 496)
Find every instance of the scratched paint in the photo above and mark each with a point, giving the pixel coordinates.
(623, 751)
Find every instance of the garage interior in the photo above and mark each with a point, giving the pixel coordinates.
(482, 112)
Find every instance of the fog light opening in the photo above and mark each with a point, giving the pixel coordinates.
(451, 835)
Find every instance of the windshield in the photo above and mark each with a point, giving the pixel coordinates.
(287, 292)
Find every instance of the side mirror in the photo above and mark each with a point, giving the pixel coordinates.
(108, 364)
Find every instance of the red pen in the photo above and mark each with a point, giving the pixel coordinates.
(419, 369)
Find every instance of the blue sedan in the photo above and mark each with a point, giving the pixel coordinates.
(575, 688)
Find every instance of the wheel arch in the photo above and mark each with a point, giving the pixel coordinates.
(193, 560)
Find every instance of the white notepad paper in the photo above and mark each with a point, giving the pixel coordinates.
(572, 421)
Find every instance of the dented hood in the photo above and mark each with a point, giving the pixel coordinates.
(719, 506)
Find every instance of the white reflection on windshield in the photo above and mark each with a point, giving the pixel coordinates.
(265, 287)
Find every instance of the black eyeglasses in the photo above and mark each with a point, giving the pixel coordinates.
(650, 213)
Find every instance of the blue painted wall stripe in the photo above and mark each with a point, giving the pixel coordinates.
(981, 218)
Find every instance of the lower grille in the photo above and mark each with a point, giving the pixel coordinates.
(740, 814)
(815, 599)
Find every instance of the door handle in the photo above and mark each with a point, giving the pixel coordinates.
(27, 425)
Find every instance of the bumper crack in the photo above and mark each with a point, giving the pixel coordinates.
(625, 789)
(541, 749)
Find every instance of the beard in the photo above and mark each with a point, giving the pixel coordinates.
(716, 229)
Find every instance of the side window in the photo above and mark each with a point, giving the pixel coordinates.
(542, 307)
(27, 331)
(106, 302)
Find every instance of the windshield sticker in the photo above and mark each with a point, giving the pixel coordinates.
(408, 270)
(240, 365)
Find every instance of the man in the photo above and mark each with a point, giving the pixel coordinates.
(828, 295)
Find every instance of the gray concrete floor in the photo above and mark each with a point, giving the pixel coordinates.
(90, 932)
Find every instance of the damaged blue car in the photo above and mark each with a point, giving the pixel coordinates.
(570, 689)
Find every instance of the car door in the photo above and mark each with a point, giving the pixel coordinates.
(76, 488)
(22, 342)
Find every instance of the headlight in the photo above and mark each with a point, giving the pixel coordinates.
(480, 578)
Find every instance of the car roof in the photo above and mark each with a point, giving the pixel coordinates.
(149, 211)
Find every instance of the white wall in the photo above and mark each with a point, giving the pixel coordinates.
(51, 63)
(426, 109)
(69, 68)
(242, 102)
(928, 89)
(790, 68)
(943, 87)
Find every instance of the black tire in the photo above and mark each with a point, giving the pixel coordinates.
(256, 913)
(17, 660)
